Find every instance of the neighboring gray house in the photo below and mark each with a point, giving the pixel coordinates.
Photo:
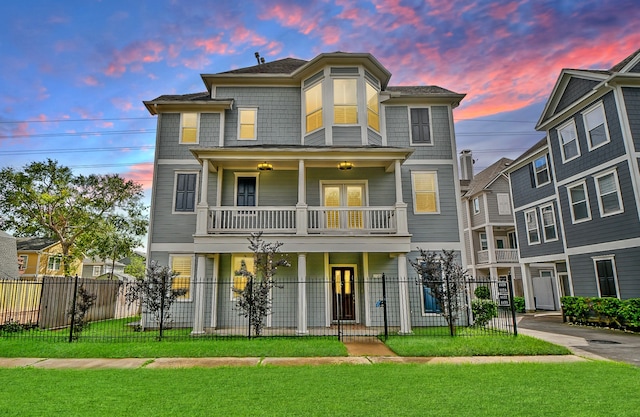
(489, 232)
(94, 267)
(350, 174)
(577, 192)
(8, 256)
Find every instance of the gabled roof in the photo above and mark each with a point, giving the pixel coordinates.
(34, 243)
(599, 77)
(281, 66)
(487, 176)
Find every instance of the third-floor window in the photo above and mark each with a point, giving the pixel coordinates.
(345, 101)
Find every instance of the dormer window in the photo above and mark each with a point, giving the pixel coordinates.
(345, 101)
(313, 103)
(373, 108)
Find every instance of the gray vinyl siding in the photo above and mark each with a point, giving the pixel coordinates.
(275, 188)
(632, 103)
(589, 159)
(500, 186)
(636, 68)
(278, 114)
(524, 191)
(611, 228)
(374, 138)
(543, 248)
(316, 287)
(627, 265)
(397, 125)
(442, 227)
(316, 138)
(168, 227)
(209, 129)
(381, 185)
(576, 88)
(347, 135)
(169, 136)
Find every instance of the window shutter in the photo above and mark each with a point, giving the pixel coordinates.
(420, 126)
(504, 207)
(186, 192)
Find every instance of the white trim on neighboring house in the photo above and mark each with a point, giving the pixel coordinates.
(611, 258)
(554, 224)
(568, 188)
(536, 203)
(546, 168)
(569, 123)
(598, 106)
(537, 228)
(618, 192)
(605, 246)
(592, 171)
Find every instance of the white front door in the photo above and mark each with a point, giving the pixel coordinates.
(543, 291)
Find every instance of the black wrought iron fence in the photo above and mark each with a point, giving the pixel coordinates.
(374, 307)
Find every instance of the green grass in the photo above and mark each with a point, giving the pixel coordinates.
(473, 346)
(520, 389)
(263, 347)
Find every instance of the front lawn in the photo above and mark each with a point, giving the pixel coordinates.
(513, 389)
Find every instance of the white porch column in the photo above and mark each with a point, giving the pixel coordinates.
(527, 288)
(198, 289)
(403, 289)
(491, 244)
(202, 210)
(401, 206)
(301, 206)
(398, 176)
(302, 294)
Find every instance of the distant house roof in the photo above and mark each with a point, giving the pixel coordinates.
(34, 243)
(487, 176)
(542, 143)
(624, 62)
(419, 90)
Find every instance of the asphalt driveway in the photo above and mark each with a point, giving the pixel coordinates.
(582, 340)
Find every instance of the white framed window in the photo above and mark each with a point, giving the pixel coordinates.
(313, 107)
(606, 276)
(569, 146)
(53, 264)
(425, 192)
(420, 119)
(246, 189)
(238, 280)
(504, 204)
(345, 101)
(484, 243)
(23, 261)
(97, 269)
(247, 123)
(579, 201)
(531, 221)
(183, 266)
(541, 169)
(373, 107)
(609, 199)
(185, 189)
(595, 124)
(189, 128)
(476, 205)
(549, 230)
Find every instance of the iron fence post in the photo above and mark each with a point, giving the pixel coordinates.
(384, 307)
(513, 306)
(452, 330)
(163, 288)
(73, 308)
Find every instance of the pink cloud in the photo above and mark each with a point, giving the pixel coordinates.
(212, 45)
(90, 80)
(141, 173)
(133, 56)
(290, 15)
(405, 15)
(122, 104)
(500, 11)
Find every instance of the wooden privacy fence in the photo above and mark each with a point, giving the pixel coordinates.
(19, 301)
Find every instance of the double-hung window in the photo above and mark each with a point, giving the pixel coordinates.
(313, 107)
(22, 262)
(420, 127)
(609, 199)
(239, 264)
(596, 126)
(185, 192)
(373, 107)
(345, 101)
(484, 243)
(476, 205)
(606, 275)
(97, 269)
(569, 141)
(549, 223)
(425, 192)
(183, 266)
(541, 169)
(189, 128)
(54, 262)
(579, 201)
(531, 221)
(247, 124)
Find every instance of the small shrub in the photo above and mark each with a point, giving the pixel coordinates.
(630, 312)
(518, 303)
(84, 301)
(483, 292)
(483, 311)
(14, 326)
(576, 307)
(608, 310)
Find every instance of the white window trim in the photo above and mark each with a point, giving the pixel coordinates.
(191, 278)
(197, 129)
(618, 192)
(476, 205)
(572, 123)
(413, 192)
(304, 105)
(555, 224)
(586, 128)
(486, 240)
(364, 183)
(366, 105)
(586, 199)
(175, 188)
(232, 273)
(526, 225)
(255, 124)
(58, 257)
(97, 268)
(611, 258)
(411, 142)
(357, 103)
(535, 172)
(237, 175)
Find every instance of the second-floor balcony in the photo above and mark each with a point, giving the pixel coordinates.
(500, 256)
(307, 220)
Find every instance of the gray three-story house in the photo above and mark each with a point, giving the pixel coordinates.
(350, 174)
(576, 193)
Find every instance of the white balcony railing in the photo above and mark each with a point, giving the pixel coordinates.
(327, 220)
(501, 256)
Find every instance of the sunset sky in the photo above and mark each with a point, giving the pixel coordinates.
(75, 73)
